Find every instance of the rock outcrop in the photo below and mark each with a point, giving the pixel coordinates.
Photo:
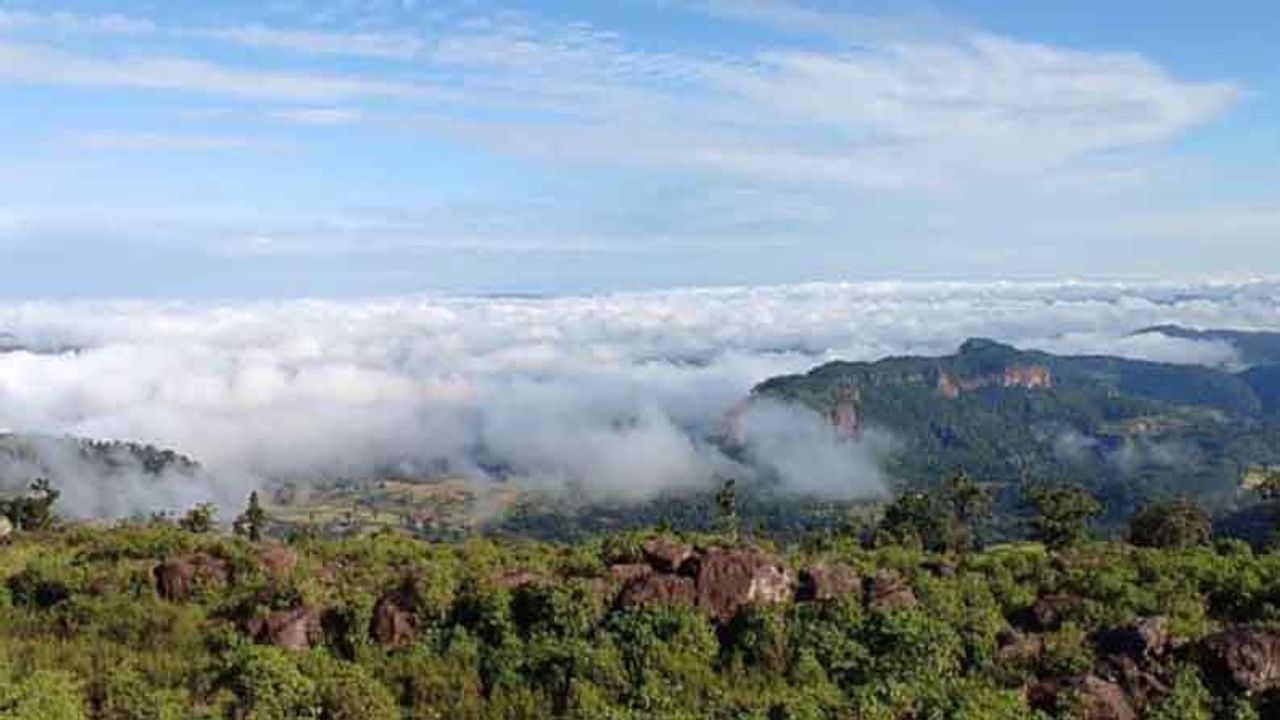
(1095, 698)
(828, 581)
(887, 591)
(1245, 659)
(277, 562)
(295, 629)
(1050, 611)
(392, 624)
(667, 556)
(178, 578)
(658, 589)
(729, 579)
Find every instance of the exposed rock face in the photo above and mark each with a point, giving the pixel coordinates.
(667, 555)
(514, 579)
(1245, 658)
(844, 418)
(176, 579)
(658, 589)
(887, 591)
(277, 562)
(392, 623)
(294, 629)
(1145, 640)
(626, 573)
(1028, 377)
(828, 581)
(1099, 699)
(1049, 612)
(729, 579)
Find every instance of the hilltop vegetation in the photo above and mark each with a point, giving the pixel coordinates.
(158, 620)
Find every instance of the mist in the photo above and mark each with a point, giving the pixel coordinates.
(615, 396)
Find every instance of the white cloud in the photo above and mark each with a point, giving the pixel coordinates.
(613, 395)
(159, 141)
(356, 44)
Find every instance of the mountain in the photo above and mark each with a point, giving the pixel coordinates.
(1130, 429)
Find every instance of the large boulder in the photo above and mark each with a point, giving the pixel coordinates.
(178, 578)
(655, 589)
(1246, 659)
(277, 562)
(1049, 612)
(1145, 640)
(6, 528)
(1017, 647)
(295, 629)
(514, 579)
(1093, 697)
(626, 573)
(828, 581)
(887, 591)
(667, 556)
(392, 624)
(729, 579)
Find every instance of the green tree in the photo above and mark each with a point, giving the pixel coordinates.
(1061, 514)
(33, 510)
(199, 519)
(1174, 525)
(727, 504)
(970, 506)
(917, 519)
(252, 521)
(42, 695)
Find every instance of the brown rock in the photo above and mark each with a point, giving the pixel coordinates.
(392, 623)
(626, 573)
(514, 579)
(1145, 640)
(887, 591)
(658, 589)
(177, 579)
(294, 629)
(729, 579)
(1049, 612)
(667, 555)
(1098, 699)
(1247, 659)
(277, 562)
(828, 581)
(1017, 647)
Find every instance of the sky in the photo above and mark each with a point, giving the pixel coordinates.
(339, 148)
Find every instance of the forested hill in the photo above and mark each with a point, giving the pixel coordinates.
(1255, 347)
(1128, 428)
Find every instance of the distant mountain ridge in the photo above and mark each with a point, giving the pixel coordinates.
(1256, 347)
(1132, 428)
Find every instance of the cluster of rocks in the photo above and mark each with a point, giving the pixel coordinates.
(720, 581)
(1135, 661)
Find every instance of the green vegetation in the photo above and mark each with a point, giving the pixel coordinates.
(150, 620)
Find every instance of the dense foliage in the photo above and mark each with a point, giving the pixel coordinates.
(92, 626)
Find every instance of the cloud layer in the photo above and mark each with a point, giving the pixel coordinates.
(611, 395)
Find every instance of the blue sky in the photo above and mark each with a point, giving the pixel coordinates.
(376, 147)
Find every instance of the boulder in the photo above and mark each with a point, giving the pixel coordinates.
(1145, 641)
(1243, 658)
(664, 589)
(887, 591)
(294, 629)
(1050, 611)
(941, 568)
(828, 581)
(392, 624)
(514, 579)
(277, 562)
(177, 579)
(1096, 699)
(667, 555)
(626, 573)
(6, 528)
(1020, 648)
(729, 579)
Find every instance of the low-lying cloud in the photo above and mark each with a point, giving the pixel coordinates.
(611, 396)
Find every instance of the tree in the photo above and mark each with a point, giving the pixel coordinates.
(1061, 514)
(199, 519)
(970, 505)
(917, 519)
(727, 503)
(251, 522)
(33, 510)
(1174, 525)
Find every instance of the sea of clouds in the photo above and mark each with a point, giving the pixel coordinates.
(605, 396)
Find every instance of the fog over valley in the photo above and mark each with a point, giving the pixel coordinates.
(614, 396)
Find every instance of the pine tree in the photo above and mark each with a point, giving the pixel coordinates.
(252, 521)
